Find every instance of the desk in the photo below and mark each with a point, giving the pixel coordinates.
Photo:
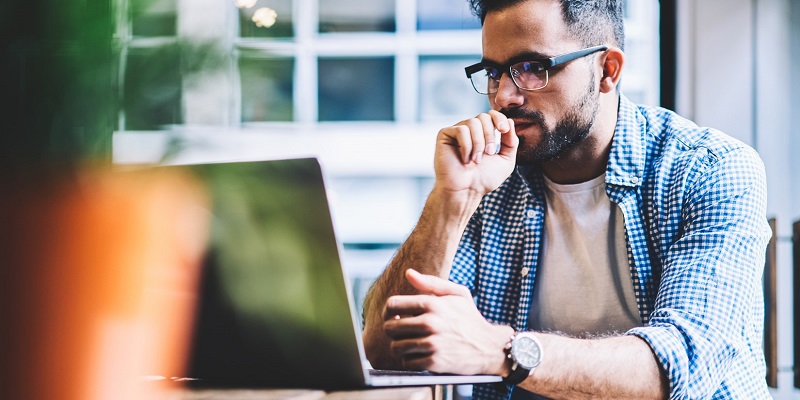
(405, 393)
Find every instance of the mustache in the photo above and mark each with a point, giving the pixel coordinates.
(533, 116)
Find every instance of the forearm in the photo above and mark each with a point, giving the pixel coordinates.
(430, 249)
(621, 367)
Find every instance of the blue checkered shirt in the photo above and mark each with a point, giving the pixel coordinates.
(694, 202)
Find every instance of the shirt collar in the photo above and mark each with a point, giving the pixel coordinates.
(626, 161)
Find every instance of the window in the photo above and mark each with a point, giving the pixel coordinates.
(356, 16)
(267, 86)
(447, 97)
(356, 89)
(365, 85)
(153, 18)
(640, 81)
(152, 88)
(445, 14)
(151, 68)
(319, 61)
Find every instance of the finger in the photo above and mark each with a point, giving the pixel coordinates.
(418, 362)
(458, 136)
(411, 348)
(499, 120)
(435, 285)
(502, 126)
(476, 130)
(406, 305)
(509, 140)
(488, 134)
(410, 327)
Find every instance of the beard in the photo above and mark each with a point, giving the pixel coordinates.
(573, 128)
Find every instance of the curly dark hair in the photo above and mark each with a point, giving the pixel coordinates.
(593, 22)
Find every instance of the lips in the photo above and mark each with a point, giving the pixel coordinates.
(521, 125)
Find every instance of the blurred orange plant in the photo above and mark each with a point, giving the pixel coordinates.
(99, 272)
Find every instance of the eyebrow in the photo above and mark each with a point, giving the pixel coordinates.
(524, 56)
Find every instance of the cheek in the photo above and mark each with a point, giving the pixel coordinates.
(559, 105)
(551, 109)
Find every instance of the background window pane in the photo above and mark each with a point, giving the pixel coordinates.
(356, 89)
(153, 17)
(283, 21)
(445, 93)
(266, 89)
(356, 16)
(152, 89)
(445, 14)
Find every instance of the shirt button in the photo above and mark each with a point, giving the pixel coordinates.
(530, 213)
(525, 271)
(635, 180)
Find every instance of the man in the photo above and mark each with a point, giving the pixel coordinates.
(620, 247)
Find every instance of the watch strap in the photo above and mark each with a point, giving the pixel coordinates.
(517, 375)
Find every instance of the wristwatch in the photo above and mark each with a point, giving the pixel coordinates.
(525, 352)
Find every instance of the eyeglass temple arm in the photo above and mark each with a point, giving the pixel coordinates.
(473, 69)
(560, 59)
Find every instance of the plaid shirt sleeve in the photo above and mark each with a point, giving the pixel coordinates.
(702, 326)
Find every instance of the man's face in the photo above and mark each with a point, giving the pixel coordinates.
(554, 119)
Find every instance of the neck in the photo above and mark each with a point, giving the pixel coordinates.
(589, 159)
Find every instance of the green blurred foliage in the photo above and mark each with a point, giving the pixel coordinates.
(57, 81)
(66, 76)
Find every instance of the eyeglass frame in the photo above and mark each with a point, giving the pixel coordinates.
(546, 63)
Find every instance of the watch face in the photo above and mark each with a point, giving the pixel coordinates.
(526, 351)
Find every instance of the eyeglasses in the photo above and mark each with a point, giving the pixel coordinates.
(527, 75)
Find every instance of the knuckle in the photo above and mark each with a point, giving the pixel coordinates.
(474, 123)
(396, 348)
(435, 325)
(430, 304)
(428, 324)
(433, 345)
(420, 363)
(391, 304)
(453, 130)
(389, 327)
(433, 304)
(429, 363)
(464, 291)
(462, 131)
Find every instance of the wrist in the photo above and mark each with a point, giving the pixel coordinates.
(525, 353)
(502, 364)
(455, 203)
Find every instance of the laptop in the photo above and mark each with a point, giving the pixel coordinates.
(275, 307)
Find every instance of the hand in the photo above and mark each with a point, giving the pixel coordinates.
(441, 330)
(465, 158)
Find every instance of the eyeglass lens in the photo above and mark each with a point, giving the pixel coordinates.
(527, 75)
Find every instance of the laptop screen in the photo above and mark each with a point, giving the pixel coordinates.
(273, 307)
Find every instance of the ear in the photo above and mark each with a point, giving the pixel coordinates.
(613, 59)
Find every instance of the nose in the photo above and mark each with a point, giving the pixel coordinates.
(508, 94)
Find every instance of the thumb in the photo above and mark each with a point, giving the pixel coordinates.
(434, 285)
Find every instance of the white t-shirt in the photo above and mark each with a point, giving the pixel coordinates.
(583, 285)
